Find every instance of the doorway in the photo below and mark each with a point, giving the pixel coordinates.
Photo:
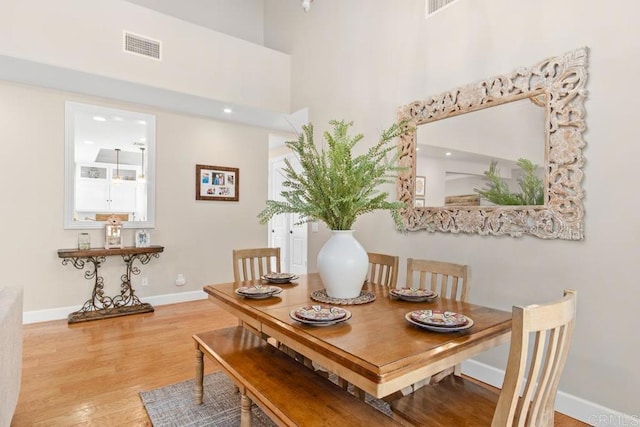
(284, 233)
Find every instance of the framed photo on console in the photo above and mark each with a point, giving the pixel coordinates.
(217, 183)
(142, 239)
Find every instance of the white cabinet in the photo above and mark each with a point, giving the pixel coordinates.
(96, 190)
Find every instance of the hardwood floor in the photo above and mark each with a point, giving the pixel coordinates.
(91, 373)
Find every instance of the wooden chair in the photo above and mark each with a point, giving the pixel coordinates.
(383, 270)
(447, 279)
(461, 402)
(251, 264)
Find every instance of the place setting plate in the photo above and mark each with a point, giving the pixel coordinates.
(413, 294)
(258, 292)
(320, 315)
(280, 278)
(439, 320)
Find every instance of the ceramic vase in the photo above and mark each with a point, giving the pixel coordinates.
(343, 264)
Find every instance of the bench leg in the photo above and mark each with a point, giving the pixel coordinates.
(245, 411)
(199, 375)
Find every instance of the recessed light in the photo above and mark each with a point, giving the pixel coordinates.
(88, 142)
(117, 118)
(228, 110)
(99, 119)
(142, 122)
(448, 153)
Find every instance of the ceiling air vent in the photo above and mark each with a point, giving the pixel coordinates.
(434, 5)
(140, 45)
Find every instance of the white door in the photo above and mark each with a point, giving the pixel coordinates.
(283, 233)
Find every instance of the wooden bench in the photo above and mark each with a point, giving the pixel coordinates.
(287, 391)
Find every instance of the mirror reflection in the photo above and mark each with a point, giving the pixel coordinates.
(454, 154)
(109, 166)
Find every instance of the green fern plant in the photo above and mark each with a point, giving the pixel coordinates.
(497, 191)
(334, 186)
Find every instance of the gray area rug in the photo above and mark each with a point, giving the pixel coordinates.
(174, 405)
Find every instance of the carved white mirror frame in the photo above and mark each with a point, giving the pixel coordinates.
(560, 83)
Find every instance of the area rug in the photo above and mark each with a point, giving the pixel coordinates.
(174, 405)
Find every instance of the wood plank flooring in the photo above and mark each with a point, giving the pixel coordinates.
(91, 373)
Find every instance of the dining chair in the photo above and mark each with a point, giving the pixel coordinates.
(251, 264)
(461, 402)
(383, 270)
(447, 279)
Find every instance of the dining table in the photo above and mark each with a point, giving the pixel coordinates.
(377, 349)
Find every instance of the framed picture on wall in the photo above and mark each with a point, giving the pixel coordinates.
(421, 184)
(418, 203)
(217, 183)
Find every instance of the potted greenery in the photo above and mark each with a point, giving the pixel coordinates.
(335, 187)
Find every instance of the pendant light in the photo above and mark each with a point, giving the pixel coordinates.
(117, 178)
(141, 177)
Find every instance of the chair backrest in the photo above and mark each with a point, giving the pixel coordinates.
(447, 279)
(551, 328)
(383, 270)
(251, 264)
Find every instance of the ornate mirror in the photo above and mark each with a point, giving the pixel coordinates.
(556, 87)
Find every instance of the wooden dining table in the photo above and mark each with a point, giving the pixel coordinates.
(377, 349)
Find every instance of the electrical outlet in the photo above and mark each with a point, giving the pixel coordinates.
(144, 281)
(180, 280)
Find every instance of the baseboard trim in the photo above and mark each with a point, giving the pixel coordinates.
(62, 312)
(567, 404)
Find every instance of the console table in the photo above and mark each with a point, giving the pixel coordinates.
(101, 306)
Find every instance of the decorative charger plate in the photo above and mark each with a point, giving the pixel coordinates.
(258, 292)
(439, 318)
(364, 297)
(413, 294)
(320, 313)
(279, 277)
(293, 314)
(439, 328)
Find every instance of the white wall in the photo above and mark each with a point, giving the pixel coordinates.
(86, 35)
(238, 18)
(360, 59)
(198, 236)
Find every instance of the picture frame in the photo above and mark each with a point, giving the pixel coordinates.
(143, 239)
(113, 233)
(418, 203)
(218, 183)
(421, 184)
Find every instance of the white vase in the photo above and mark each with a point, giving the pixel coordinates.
(343, 264)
